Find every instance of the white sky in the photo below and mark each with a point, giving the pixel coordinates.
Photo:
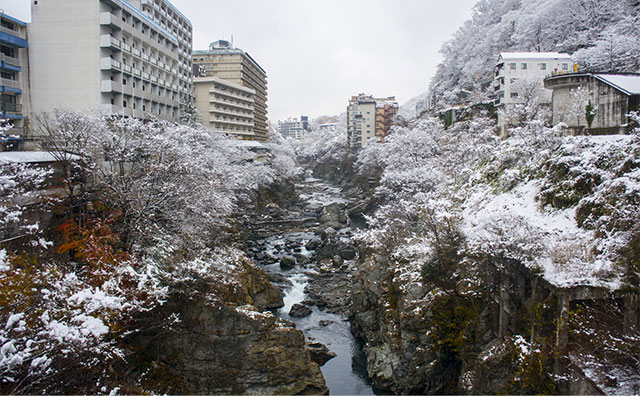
(317, 53)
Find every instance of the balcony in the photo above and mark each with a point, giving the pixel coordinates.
(109, 86)
(111, 21)
(110, 42)
(110, 64)
(112, 3)
(145, 57)
(126, 48)
(137, 73)
(136, 53)
(154, 61)
(126, 69)
(15, 84)
(146, 76)
(11, 107)
(154, 79)
(9, 60)
(161, 65)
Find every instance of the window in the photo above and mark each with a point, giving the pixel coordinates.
(523, 66)
(512, 66)
(124, 103)
(124, 81)
(514, 94)
(565, 66)
(513, 80)
(543, 66)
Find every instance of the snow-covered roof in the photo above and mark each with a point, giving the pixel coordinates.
(533, 55)
(630, 84)
(15, 157)
(251, 144)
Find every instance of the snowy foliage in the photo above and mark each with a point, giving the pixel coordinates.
(600, 35)
(564, 206)
(163, 200)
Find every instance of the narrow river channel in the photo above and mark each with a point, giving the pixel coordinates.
(319, 284)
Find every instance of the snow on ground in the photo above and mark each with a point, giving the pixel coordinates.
(546, 239)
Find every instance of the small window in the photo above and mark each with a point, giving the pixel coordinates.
(565, 66)
(124, 103)
(523, 66)
(514, 94)
(543, 66)
(512, 66)
(124, 81)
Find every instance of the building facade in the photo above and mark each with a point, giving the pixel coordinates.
(369, 119)
(14, 83)
(128, 57)
(294, 128)
(518, 74)
(612, 97)
(223, 61)
(225, 107)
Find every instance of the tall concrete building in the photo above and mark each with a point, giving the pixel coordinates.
(225, 106)
(224, 62)
(128, 57)
(369, 119)
(14, 80)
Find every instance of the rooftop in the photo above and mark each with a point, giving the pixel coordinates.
(28, 157)
(628, 83)
(533, 55)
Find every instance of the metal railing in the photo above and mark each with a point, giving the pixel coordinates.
(9, 59)
(10, 83)
(12, 107)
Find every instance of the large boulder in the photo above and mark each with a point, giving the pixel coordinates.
(287, 263)
(319, 353)
(299, 311)
(333, 214)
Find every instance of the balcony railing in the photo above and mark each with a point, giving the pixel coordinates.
(9, 59)
(10, 83)
(11, 107)
(108, 41)
(126, 48)
(110, 64)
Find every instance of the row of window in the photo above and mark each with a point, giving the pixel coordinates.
(543, 66)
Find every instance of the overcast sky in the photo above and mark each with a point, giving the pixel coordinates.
(317, 53)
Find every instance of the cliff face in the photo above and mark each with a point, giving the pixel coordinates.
(513, 333)
(223, 345)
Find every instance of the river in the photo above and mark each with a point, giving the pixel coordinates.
(319, 284)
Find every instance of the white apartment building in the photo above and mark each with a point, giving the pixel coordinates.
(128, 57)
(225, 107)
(294, 128)
(515, 69)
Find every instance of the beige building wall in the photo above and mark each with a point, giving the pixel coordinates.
(225, 107)
(223, 61)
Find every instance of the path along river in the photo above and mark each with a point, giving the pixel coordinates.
(307, 252)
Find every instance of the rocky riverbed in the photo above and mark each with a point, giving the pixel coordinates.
(306, 250)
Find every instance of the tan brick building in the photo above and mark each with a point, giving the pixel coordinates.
(224, 62)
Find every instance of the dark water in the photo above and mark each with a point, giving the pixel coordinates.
(345, 374)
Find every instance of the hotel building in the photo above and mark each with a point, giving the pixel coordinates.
(224, 62)
(128, 57)
(369, 119)
(14, 81)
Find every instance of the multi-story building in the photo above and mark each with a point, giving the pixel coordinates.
(369, 119)
(14, 81)
(294, 128)
(518, 74)
(128, 57)
(225, 107)
(225, 62)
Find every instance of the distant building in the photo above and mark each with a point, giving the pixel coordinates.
(369, 119)
(124, 57)
(612, 97)
(224, 62)
(515, 70)
(327, 126)
(14, 83)
(294, 128)
(225, 107)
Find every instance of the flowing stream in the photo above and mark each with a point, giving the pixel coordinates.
(346, 372)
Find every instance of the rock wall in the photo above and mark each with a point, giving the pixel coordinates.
(425, 340)
(225, 342)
